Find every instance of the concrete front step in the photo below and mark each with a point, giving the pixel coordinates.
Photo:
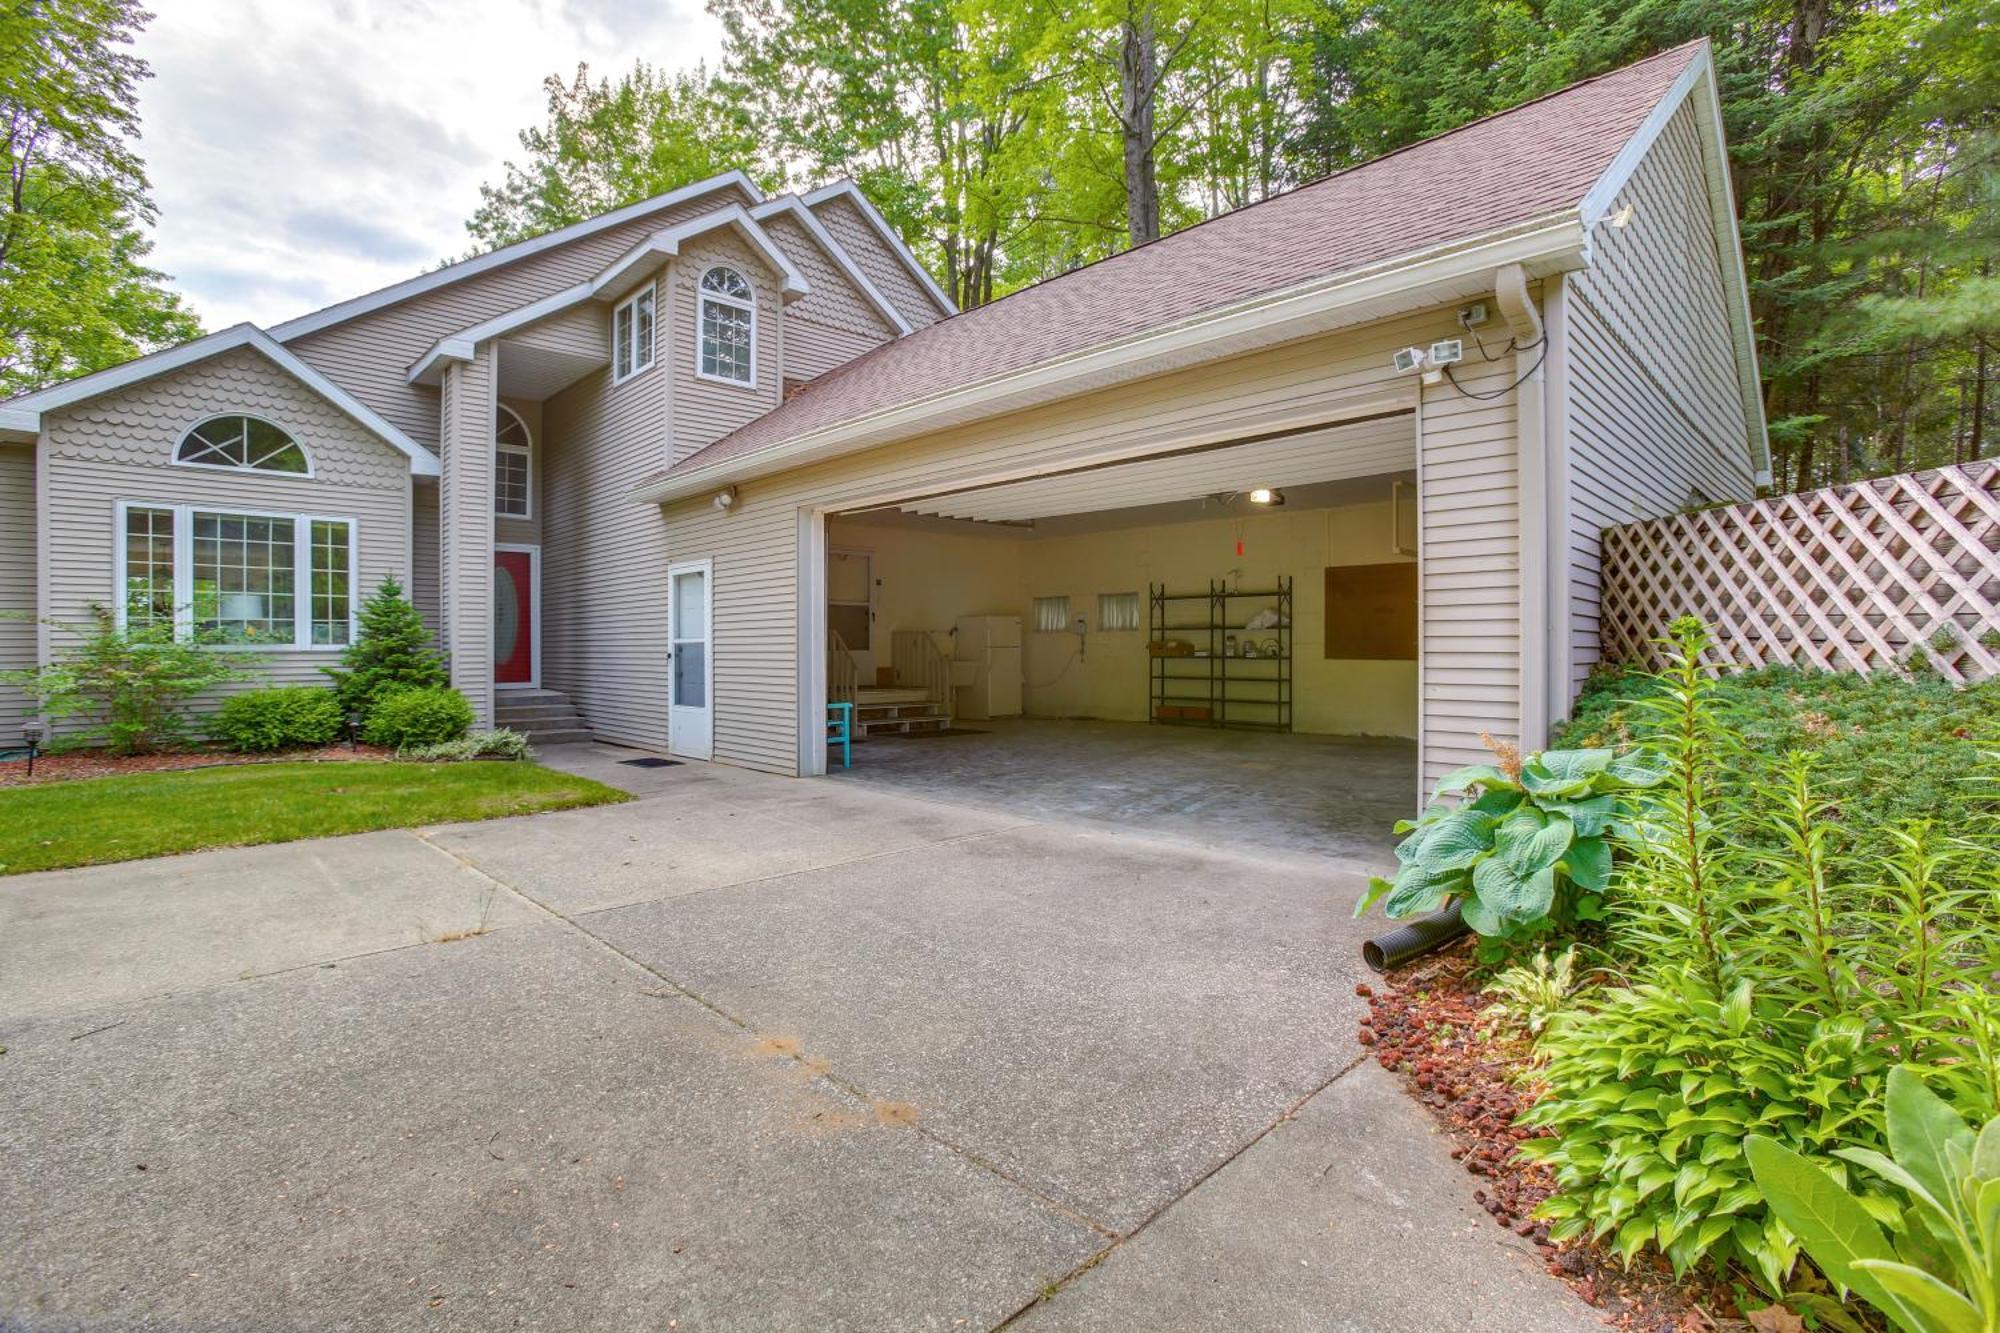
(545, 717)
(559, 735)
(537, 715)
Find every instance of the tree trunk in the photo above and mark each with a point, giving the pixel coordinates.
(1136, 76)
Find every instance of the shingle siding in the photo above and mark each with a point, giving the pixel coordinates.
(17, 581)
(844, 220)
(1655, 413)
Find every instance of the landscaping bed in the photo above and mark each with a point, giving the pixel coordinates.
(61, 824)
(78, 764)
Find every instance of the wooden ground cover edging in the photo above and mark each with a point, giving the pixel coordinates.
(1867, 577)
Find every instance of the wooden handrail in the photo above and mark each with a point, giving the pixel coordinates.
(842, 676)
(921, 665)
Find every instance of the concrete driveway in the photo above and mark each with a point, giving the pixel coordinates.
(746, 1053)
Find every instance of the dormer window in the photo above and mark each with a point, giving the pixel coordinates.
(632, 336)
(513, 470)
(244, 444)
(726, 345)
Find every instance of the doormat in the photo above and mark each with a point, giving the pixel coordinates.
(651, 761)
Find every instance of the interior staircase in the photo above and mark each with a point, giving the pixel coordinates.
(899, 711)
(545, 717)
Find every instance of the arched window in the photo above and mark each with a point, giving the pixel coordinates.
(513, 471)
(245, 443)
(726, 349)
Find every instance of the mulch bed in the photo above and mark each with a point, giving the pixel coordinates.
(81, 764)
(1424, 1025)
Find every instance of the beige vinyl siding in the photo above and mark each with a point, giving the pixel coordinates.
(1655, 413)
(423, 589)
(844, 220)
(17, 581)
(834, 322)
(604, 574)
(705, 410)
(118, 446)
(1473, 554)
(370, 354)
(465, 526)
(581, 330)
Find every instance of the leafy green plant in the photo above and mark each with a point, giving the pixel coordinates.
(405, 719)
(1935, 1268)
(1526, 849)
(391, 651)
(286, 718)
(499, 744)
(128, 689)
(1530, 996)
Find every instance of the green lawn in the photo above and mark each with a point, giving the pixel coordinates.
(156, 814)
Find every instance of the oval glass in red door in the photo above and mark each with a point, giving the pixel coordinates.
(513, 618)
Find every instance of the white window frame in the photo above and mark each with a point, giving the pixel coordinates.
(174, 455)
(639, 359)
(526, 451)
(703, 298)
(302, 616)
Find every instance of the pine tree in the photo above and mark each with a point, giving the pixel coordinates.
(392, 652)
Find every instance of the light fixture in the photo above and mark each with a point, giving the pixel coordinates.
(1408, 359)
(1265, 495)
(724, 500)
(32, 733)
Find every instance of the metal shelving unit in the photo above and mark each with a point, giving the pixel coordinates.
(1214, 688)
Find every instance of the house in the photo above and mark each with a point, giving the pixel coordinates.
(1335, 462)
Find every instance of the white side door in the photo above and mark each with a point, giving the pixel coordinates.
(691, 665)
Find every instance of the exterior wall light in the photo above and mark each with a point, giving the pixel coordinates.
(1265, 495)
(33, 733)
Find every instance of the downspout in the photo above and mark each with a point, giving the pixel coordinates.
(1524, 322)
(1555, 395)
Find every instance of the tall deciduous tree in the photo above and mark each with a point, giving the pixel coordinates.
(76, 294)
(608, 144)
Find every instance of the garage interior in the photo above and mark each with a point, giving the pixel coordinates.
(1217, 644)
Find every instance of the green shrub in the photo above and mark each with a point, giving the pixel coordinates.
(1528, 851)
(1936, 1269)
(278, 719)
(1889, 749)
(500, 744)
(132, 688)
(1774, 964)
(405, 719)
(391, 651)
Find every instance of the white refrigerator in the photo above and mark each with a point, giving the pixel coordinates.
(986, 666)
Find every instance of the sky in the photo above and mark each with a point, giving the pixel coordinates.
(305, 151)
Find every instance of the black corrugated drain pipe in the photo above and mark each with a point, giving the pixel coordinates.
(1414, 939)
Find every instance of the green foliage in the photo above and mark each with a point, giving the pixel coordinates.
(405, 719)
(392, 651)
(1529, 997)
(609, 144)
(500, 744)
(286, 718)
(1528, 850)
(1773, 965)
(1888, 749)
(129, 690)
(1935, 1266)
(75, 292)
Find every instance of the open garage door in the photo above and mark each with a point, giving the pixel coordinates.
(1221, 641)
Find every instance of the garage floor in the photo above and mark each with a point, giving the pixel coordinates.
(1249, 791)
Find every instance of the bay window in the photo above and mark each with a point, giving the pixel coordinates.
(250, 579)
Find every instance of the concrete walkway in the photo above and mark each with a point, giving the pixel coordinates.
(744, 1053)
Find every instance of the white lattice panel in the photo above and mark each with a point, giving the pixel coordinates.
(1868, 577)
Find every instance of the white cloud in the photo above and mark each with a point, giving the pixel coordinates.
(305, 151)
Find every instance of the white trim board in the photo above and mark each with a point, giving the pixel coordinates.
(24, 413)
(428, 282)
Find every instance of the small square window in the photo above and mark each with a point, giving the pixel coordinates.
(1051, 615)
(1117, 611)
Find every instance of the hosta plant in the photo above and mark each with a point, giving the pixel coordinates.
(1518, 847)
(1936, 1267)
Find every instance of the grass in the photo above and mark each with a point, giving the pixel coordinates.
(157, 814)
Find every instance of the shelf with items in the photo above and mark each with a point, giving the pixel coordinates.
(1253, 692)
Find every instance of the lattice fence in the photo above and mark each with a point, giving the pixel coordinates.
(1869, 577)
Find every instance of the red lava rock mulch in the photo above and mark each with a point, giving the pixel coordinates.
(95, 764)
(1424, 1025)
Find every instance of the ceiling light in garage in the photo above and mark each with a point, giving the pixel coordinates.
(1264, 495)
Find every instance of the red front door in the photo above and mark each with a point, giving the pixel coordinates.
(513, 618)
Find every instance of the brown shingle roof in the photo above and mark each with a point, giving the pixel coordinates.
(1511, 168)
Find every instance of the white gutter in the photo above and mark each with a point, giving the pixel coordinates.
(1551, 244)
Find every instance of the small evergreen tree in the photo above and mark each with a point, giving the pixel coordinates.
(392, 652)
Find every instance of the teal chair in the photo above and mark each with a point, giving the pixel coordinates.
(840, 730)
